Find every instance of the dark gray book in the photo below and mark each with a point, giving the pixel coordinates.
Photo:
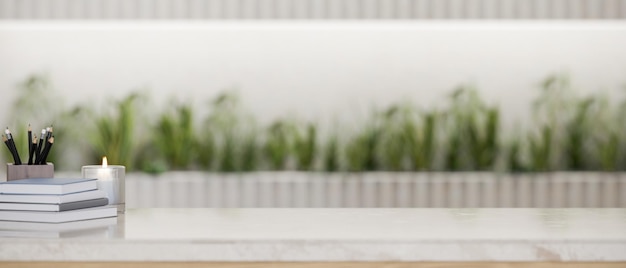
(55, 207)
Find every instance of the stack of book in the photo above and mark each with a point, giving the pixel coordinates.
(53, 200)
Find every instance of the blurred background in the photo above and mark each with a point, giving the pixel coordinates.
(231, 86)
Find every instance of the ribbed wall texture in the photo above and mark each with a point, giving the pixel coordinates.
(312, 9)
(454, 190)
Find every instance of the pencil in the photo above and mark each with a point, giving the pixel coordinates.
(12, 147)
(46, 150)
(49, 130)
(31, 153)
(40, 146)
(6, 141)
(30, 145)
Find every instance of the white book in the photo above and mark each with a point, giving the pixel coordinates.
(48, 186)
(52, 198)
(58, 217)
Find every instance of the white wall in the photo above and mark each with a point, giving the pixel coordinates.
(312, 69)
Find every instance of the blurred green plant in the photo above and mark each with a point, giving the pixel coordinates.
(113, 135)
(393, 149)
(551, 110)
(421, 143)
(620, 133)
(515, 161)
(597, 123)
(408, 138)
(568, 133)
(175, 137)
(361, 150)
(279, 143)
(472, 132)
(331, 154)
(206, 148)
(227, 142)
(250, 153)
(221, 127)
(305, 147)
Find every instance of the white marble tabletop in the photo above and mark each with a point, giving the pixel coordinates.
(327, 235)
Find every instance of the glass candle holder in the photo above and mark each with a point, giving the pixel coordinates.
(111, 179)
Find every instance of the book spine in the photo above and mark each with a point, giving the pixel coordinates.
(83, 204)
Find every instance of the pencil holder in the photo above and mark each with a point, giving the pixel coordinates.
(17, 172)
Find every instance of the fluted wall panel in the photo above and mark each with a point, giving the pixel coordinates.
(310, 9)
(454, 190)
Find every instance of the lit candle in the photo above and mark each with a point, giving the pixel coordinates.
(111, 179)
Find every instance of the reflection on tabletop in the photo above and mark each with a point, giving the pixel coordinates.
(112, 227)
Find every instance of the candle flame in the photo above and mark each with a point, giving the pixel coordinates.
(104, 161)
